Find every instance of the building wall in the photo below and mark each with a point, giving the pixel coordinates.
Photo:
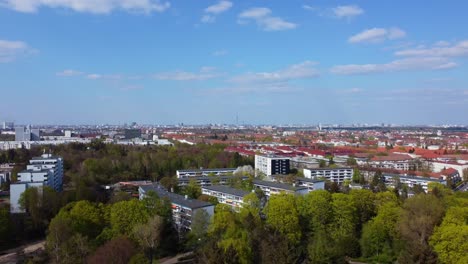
(337, 175)
(16, 189)
(272, 165)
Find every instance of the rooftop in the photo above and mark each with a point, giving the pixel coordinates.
(226, 189)
(208, 170)
(278, 185)
(175, 198)
(335, 168)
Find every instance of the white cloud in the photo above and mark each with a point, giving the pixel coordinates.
(216, 9)
(310, 8)
(10, 50)
(262, 16)
(220, 7)
(88, 6)
(417, 63)
(304, 70)
(69, 73)
(94, 76)
(218, 53)
(455, 50)
(205, 73)
(348, 11)
(375, 35)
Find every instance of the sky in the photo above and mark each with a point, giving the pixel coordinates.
(258, 62)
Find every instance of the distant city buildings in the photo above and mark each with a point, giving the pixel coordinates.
(46, 170)
(272, 165)
(8, 125)
(27, 134)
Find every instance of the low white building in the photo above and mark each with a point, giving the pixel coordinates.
(226, 195)
(338, 175)
(46, 170)
(411, 181)
(204, 172)
(183, 208)
(270, 188)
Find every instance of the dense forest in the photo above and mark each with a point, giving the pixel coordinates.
(334, 226)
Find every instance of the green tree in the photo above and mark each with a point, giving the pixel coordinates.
(420, 215)
(230, 236)
(192, 190)
(4, 225)
(351, 161)
(364, 200)
(125, 215)
(450, 239)
(343, 227)
(282, 215)
(149, 235)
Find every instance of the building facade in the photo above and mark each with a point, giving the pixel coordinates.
(338, 175)
(204, 172)
(391, 180)
(226, 195)
(27, 134)
(183, 208)
(270, 188)
(43, 171)
(272, 165)
(209, 180)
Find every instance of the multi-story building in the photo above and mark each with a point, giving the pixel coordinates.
(209, 180)
(338, 175)
(226, 195)
(271, 165)
(46, 170)
(392, 161)
(411, 181)
(8, 125)
(204, 172)
(311, 184)
(183, 208)
(27, 134)
(270, 188)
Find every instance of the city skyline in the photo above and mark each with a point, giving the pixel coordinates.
(261, 62)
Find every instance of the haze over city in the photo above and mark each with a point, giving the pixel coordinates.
(263, 62)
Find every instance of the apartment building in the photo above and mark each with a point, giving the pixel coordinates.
(46, 170)
(209, 180)
(226, 195)
(204, 172)
(392, 161)
(310, 184)
(183, 208)
(270, 188)
(338, 175)
(27, 134)
(411, 181)
(271, 165)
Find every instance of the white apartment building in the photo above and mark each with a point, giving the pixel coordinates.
(338, 175)
(411, 181)
(393, 161)
(226, 195)
(311, 184)
(272, 165)
(183, 208)
(270, 188)
(46, 170)
(204, 172)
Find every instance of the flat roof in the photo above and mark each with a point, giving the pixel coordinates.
(208, 170)
(308, 180)
(202, 178)
(412, 177)
(278, 185)
(175, 198)
(226, 189)
(33, 171)
(336, 168)
(48, 158)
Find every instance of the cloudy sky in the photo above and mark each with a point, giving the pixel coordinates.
(277, 62)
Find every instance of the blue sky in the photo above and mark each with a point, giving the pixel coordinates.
(276, 62)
